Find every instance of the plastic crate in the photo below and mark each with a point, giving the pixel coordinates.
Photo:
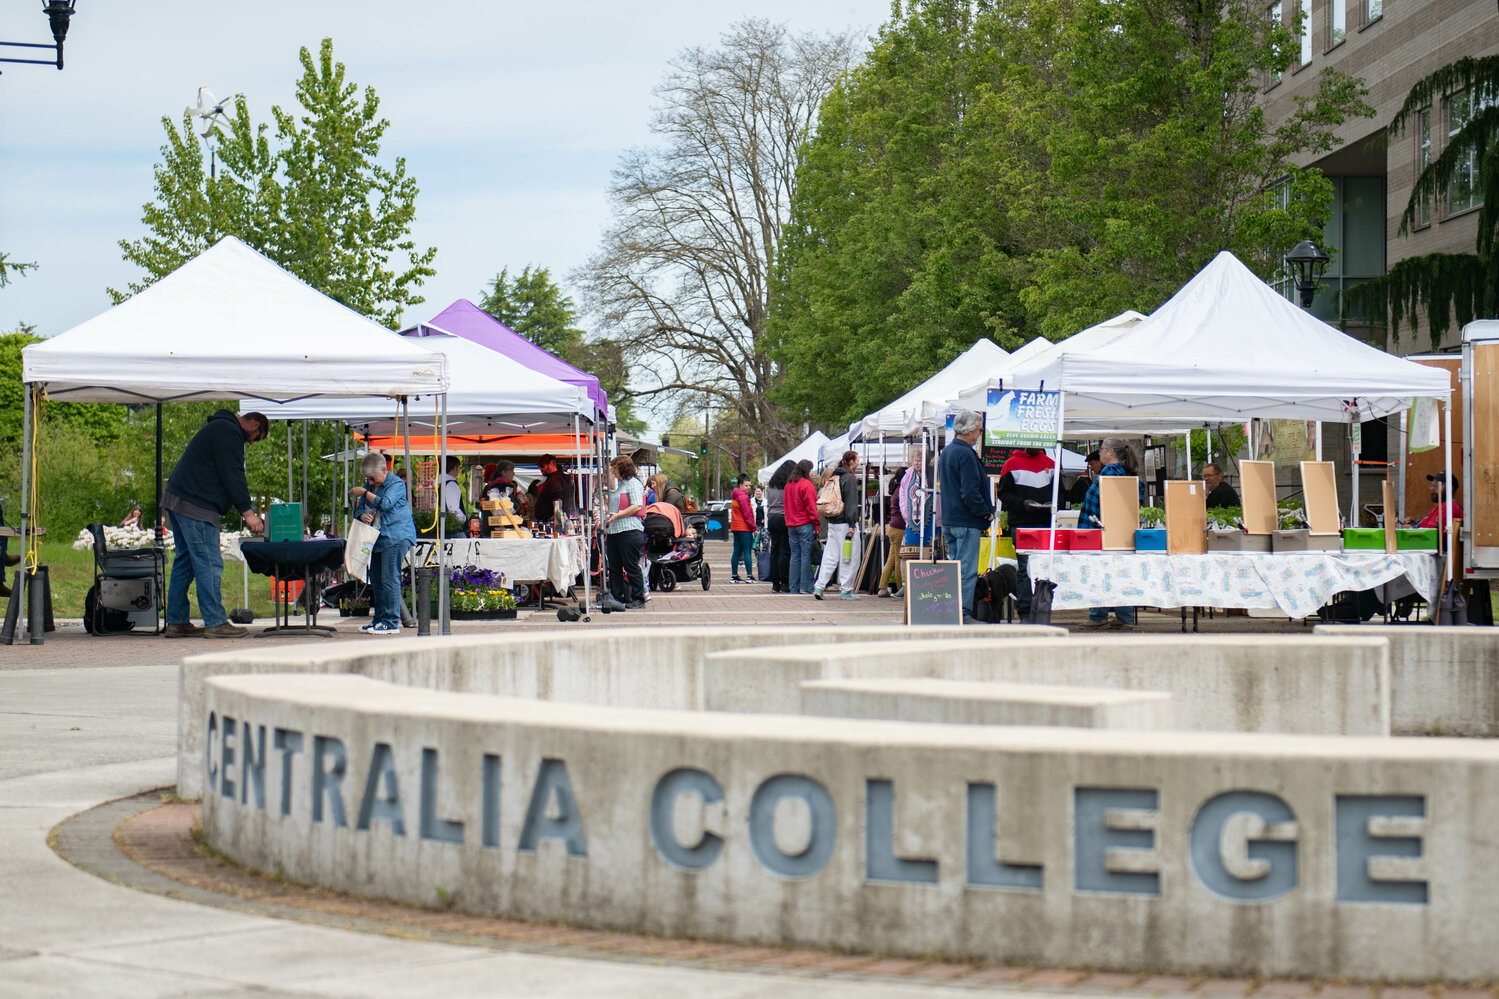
(1089, 540)
(1417, 539)
(1364, 539)
(1151, 539)
(1039, 539)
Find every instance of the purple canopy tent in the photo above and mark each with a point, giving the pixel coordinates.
(464, 318)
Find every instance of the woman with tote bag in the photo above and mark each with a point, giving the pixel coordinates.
(382, 504)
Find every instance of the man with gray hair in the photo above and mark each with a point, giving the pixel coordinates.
(967, 507)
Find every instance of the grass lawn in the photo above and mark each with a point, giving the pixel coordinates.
(71, 573)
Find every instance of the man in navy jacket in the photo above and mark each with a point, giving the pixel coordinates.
(966, 507)
(208, 482)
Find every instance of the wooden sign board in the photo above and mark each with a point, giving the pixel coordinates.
(1391, 516)
(1186, 518)
(934, 593)
(1257, 494)
(1321, 491)
(1119, 509)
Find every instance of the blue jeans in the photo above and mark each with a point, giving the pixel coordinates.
(963, 545)
(1098, 615)
(385, 575)
(744, 544)
(800, 577)
(197, 559)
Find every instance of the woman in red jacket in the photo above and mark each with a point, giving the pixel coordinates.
(801, 524)
(742, 525)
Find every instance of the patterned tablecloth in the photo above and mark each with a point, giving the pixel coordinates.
(1295, 582)
(522, 560)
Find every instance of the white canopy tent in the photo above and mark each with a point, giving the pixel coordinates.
(489, 393)
(227, 324)
(878, 454)
(905, 416)
(230, 324)
(809, 449)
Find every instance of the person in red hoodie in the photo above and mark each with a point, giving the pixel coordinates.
(742, 524)
(801, 525)
(1025, 493)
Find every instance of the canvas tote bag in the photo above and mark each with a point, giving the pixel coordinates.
(358, 547)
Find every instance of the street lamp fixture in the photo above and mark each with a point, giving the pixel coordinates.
(1307, 260)
(59, 13)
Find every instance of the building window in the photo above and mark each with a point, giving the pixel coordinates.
(1305, 8)
(1462, 192)
(1339, 22)
(1275, 14)
(1423, 159)
(1373, 10)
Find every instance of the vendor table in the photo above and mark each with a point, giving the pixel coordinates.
(1296, 583)
(522, 560)
(277, 559)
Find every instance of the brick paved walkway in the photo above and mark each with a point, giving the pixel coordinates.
(153, 847)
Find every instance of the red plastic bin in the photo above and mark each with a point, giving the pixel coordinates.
(1039, 539)
(1084, 540)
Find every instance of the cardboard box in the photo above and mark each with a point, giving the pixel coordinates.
(1417, 539)
(1237, 541)
(1363, 539)
(489, 504)
(1150, 540)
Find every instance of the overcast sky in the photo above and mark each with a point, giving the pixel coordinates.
(510, 116)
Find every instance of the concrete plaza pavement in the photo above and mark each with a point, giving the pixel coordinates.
(86, 720)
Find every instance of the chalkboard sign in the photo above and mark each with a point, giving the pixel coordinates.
(934, 593)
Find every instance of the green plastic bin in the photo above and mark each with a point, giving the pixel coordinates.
(1363, 539)
(1416, 539)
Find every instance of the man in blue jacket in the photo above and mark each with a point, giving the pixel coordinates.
(208, 482)
(966, 506)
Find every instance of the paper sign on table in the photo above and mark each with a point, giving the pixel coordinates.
(1119, 509)
(1321, 491)
(1186, 518)
(1257, 494)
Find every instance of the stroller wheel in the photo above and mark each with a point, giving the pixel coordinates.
(667, 581)
(707, 576)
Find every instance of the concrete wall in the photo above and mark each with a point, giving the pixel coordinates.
(955, 702)
(1191, 853)
(625, 667)
(1229, 684)
(1442, 680)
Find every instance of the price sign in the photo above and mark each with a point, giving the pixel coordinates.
(1021, 418)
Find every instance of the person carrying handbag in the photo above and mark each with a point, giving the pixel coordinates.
(382, 500)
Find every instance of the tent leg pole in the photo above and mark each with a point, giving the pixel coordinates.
(306, 510)
(1401, 465)
(1353, 518)
(290, 485)
(21, 598)
(1447, 489)
(160, 541)
(444, 617)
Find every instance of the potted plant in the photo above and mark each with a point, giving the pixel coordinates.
(1152, 517)
(479, 594)
(1225, 518)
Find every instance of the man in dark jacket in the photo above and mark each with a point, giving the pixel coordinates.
(1025, 492)
(208, 482)
(552, 494)
(966, 507)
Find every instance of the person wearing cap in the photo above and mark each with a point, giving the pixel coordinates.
(1437, 517)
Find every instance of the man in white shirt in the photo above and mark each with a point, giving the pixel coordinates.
(452, 492)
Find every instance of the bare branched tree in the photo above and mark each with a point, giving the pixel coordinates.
(682, 280)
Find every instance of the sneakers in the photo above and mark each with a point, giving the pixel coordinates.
(735, 579)
(635, 605)
(1117, 625)
(1095, 625)
(225, 630)
(817, 593)
(379, 629)
(850, 595)
(883, 592)
(185, 629)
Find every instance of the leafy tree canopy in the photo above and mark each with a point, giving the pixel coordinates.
(1015, 168)
(317, 200)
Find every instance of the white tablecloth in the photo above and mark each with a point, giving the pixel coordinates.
(522, 560)
(1296, 583)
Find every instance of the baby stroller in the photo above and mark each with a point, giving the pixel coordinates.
(674, 556)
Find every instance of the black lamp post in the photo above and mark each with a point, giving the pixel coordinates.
(1308, 261)
(58, 12)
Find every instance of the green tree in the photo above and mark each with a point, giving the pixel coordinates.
(12, 269)
(1441, 286)
(1022, 167)
(533, 305)
(317, 201)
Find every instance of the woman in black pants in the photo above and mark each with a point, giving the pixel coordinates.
(624, 535)
(780, 543)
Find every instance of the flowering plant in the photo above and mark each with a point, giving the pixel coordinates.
(474, 589)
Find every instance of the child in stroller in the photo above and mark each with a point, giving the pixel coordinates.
(675, 553)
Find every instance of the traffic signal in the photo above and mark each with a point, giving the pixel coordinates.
(702, 447)
(665, 441)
